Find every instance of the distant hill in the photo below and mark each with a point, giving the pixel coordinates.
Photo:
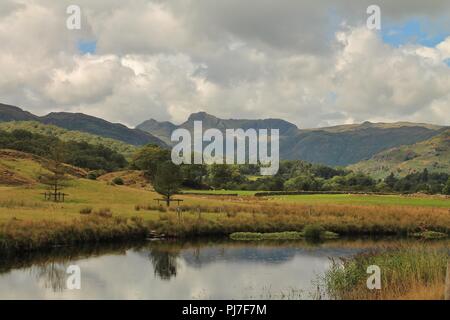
(351, 146)
(433, 154)
(11, 113)
(379, 125)
(69, 135)
(333, 146)
(84, 123)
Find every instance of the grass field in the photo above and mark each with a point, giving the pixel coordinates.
(349, 199)
(24, 207)
(221, 192)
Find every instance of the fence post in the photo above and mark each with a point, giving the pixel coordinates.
(447, 282)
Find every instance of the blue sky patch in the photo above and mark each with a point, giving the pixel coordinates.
(413, 31)
(86, 47)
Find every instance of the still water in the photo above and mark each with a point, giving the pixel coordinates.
(213, 269)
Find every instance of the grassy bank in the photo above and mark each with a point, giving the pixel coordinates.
(256, 236)
(407, 272)
(18, 235)
(270, 217)
(310, 232)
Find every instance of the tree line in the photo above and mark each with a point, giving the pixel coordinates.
(80, 154)
(293, 175)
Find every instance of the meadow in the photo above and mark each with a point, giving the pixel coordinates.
(94, 206)
(361, 199)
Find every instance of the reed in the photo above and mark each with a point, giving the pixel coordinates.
(407, 272)
(274, 217)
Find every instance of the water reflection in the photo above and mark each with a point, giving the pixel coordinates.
(216, 269)
(52, 274)
(164, 261)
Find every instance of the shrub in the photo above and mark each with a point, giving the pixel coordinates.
(118, 181)
(91, 176)
(104, 212)
(313, 232)
(86, 210)
(137, 220)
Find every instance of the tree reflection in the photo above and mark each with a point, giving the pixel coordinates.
(164, 262)
(53, 275)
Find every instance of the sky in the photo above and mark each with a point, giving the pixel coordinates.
(314, 63)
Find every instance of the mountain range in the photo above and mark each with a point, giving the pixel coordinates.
(335, 146)
(341, 145)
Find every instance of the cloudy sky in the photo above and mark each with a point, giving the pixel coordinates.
(314, 63)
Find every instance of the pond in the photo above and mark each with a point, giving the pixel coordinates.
(206, 269)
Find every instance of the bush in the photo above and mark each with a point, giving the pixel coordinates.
(313, 232)
(94, 174)
(118, 181)
(104, 212)
(86, 210)
(91, 176)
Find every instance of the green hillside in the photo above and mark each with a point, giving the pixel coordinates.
(67, 135)
(433, 154)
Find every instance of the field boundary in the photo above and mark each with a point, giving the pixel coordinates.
(293, 193)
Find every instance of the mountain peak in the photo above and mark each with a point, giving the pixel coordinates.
(201, 116)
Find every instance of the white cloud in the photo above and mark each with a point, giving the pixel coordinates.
(255, 59)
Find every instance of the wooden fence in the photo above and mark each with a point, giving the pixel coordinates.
(55, 196)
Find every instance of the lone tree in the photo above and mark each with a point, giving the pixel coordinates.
(56, 178)
(148, 158)
(167, 180)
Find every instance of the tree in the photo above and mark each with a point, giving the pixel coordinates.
(301, 183)
(193, 175)
(167, 180)
(148, 158)
(219, 174)
(391, 180)
(424, 175)
(446, 189)
(56, 178)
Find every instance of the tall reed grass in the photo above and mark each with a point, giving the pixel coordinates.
(407, 272)
(274, 217)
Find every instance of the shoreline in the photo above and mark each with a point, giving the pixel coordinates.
(25, 237)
